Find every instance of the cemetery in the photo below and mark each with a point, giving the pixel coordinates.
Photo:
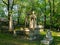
(29, 22)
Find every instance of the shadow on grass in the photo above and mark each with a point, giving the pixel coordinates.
(56, 40)
(8, 39)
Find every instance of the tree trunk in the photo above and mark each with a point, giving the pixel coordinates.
(44, 21)
(9, 8)
(45, 16)
(18, 19)
(10, 24)
(53, 12)
(53, 7)
(50, 15)
(25, 21)
(10, 15)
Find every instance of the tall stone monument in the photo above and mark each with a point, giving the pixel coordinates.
(33, 26)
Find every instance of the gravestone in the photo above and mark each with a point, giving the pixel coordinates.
(32, 26)
(48, 38)
(41, 28)
(34, 30)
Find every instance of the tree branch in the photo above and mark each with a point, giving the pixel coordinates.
(12, 4)
(4, 2)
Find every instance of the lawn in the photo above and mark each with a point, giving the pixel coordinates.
(8, 39)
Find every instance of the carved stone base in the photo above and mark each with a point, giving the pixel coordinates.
(48, 39)
(46, 42)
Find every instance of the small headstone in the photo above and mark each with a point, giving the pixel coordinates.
(14, 33)
(41, 28)
(27, 31)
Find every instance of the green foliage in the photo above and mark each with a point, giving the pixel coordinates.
(22, 18)
(25, 7)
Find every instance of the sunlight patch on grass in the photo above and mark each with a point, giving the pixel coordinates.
(52, 32)
(43, 33)
(55, 33)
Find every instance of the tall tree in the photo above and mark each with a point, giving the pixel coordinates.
(45, 16)
(9, 5)
(50, 14)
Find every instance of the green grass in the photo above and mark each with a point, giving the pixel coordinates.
(8, 39)
(55, 35)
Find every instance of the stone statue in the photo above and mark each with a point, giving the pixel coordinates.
(49, 35)
(32, 24)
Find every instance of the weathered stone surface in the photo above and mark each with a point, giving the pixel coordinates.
(32, 23)
(32, 26)
(48, 39)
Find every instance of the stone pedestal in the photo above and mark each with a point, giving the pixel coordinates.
(48, 39)
(34, 34)
(31, 35)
